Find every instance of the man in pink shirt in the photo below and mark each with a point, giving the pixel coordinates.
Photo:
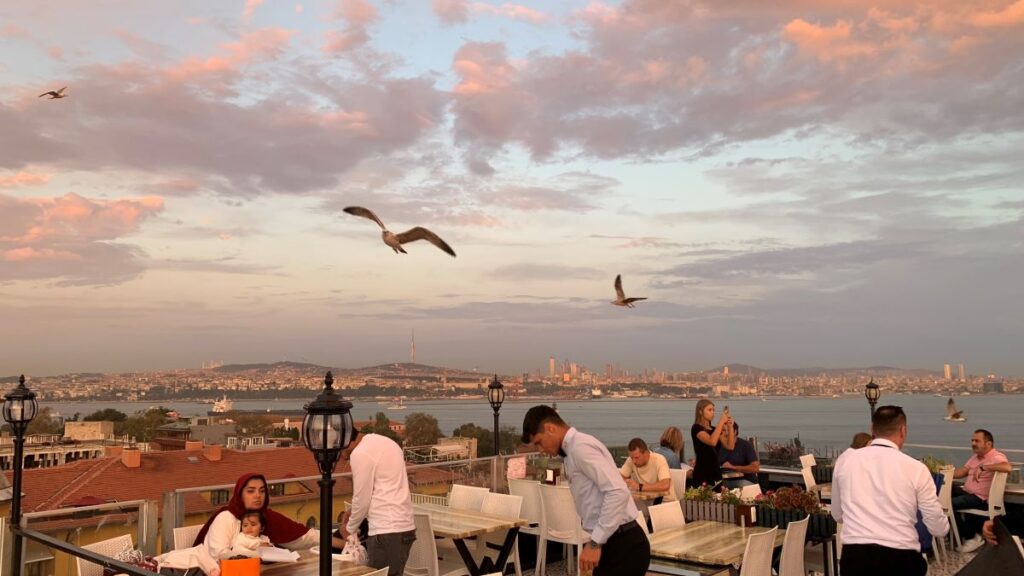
(979, 470)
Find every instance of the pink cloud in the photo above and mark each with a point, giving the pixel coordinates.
(357, 12)
(511, 11)
(28, 254)
(73, 216)
(24, 179)
(266, 43)
(1011, 15)
(826, 43)
(451, 11)
(250, 8)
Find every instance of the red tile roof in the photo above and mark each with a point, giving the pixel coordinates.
(160, 472)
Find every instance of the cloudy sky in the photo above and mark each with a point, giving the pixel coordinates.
(793, 183)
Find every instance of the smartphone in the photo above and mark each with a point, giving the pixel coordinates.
(725, 410)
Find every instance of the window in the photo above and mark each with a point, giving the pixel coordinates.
(277, 489)
(220, 497)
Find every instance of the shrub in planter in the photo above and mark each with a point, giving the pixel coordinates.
(785, 505)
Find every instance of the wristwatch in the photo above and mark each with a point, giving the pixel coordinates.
(593, 544)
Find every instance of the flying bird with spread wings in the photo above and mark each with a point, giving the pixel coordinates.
(395, 241)
(952, 414)
(620, 296)
(55, 94)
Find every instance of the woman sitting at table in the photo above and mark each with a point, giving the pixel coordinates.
(251, 495)
(706, 441)
(670, 446)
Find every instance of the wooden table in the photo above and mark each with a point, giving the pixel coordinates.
(648, 495)
(309, 565)
(461, 524)
(731, 474)
(706, 542)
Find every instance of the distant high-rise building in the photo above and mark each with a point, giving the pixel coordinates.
(725, 371)
(609, 371)
(412, 347)
(961, 373)
(551, 367)
(574, 369)
(947, 372)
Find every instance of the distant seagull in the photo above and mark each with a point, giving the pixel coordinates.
(952, 414)
(55, 94)
(395, 241)
(620, 296)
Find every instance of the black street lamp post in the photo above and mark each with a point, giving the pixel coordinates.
(19, 409)
(496, 396)
(872, 392)
(327, 429)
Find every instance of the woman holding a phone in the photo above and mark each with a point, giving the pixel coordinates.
(706, 440)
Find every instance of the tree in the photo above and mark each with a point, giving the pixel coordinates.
(508, 437)
(44, 423)
(381, 425)
(254, 425)
(142, 427)
(106, 415)
(421, 429)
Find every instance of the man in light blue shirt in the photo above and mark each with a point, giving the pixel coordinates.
(618, 546)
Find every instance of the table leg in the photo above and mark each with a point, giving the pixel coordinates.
(826, 559)
(467, 558)
(506, 549)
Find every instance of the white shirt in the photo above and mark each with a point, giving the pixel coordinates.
(380, 487)
(602, 499)
(876, 493)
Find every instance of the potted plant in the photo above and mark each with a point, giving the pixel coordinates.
(704, 503)
(785, 505)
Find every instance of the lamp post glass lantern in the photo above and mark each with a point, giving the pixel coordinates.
(327, 429)
(496, 396)
(872, 392)
(19, 409)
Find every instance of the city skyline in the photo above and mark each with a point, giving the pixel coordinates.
(801, 184)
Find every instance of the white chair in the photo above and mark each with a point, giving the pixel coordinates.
(791, 563)
(995, 499)
(506, 506)
(423, 560)
(185, 536)
(467, 497)
(643, 524)
(808, 461)
(1016, 540)
(429, 499)
(667, 515)
(750, 492)
(108, 548)
(678, 483)
(946, 501)
(757, 556)
(561, 524)
(533, 508)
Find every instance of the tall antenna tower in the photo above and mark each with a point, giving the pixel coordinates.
(412, 347)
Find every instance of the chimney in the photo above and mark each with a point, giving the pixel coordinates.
(193, 445)
(131, 458)
(113, 450)
(212, 453)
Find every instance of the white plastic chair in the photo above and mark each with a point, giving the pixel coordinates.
(533, 508)
(185, 536)
(561, 524)
(1016, 540)
(678, 483)
(666, 515)
(643, 524)
(506, 506)
(108, 548)
(750, 492)
(995, 499)
(423, 560)
(467, 497)
(946, 501)
(791, 563)
(808, 461)
(757, 556)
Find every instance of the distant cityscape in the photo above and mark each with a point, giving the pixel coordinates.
(559, 379)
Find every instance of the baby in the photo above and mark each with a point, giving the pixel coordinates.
(248, 541)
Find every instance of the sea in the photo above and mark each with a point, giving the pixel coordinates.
(824, 424)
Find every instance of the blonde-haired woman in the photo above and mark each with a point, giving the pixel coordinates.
(706, 440)
(671, 447)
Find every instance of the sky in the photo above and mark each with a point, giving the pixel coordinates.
(796, 183)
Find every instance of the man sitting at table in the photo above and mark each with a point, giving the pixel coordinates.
(646, 471)
(742, 458)
(979, 470)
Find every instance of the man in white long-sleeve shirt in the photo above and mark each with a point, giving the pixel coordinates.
(876, 494)
(380, 494)
(618, 545)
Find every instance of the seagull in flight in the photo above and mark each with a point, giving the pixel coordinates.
(395, 241)
(55, 94)
(620, 296)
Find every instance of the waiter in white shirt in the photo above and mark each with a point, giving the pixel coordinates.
(876, 494)
(380, 494)
(618, 546)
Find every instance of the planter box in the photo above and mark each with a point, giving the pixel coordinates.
(715, 511)
(820, 526)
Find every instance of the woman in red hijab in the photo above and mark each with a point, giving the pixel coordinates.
(251, 494)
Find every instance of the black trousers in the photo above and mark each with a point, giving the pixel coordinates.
(876, 560)
(390, 551)
(626, 553)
